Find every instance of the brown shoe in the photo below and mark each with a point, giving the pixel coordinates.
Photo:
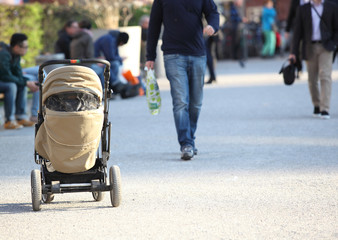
(12, 125)
(25, 123)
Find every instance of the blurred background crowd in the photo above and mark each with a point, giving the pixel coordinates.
(241, 36)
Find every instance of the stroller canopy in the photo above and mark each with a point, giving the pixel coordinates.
(73, 118)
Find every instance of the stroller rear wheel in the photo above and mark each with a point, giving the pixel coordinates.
(36, 189)
(98, 196)
(115, 185)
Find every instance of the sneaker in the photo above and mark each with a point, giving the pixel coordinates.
(25, 123)
(187, 152)
(316, 112)
(195, 151)
(324, 115)
(12, 125)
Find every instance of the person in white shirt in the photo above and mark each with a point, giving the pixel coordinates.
(316, 30)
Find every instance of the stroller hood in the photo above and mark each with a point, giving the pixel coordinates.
(69, 140)
(70, 79)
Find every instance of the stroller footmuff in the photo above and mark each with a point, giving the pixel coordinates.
(72, 124)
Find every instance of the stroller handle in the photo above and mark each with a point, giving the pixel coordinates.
(73, 62)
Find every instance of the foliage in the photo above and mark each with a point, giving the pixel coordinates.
(130, 15)
(25, 19)
(41, 23)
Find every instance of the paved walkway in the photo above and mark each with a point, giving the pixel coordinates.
(266, 169)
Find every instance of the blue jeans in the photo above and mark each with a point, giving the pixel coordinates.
(114, 72)
(99, 71)
(32, 73)
(15, 100)
(186, 77)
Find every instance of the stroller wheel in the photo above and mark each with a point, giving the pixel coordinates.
(115, 185)
(47, 198)
(36, 189)
(98, 196)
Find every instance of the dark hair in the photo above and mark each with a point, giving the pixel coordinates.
(68, 24)
(123, 38)
(85, 24)
(17, 39)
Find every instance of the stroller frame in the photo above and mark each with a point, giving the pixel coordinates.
(45, 184)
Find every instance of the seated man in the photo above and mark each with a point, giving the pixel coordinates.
(107, 45)
(13, 83)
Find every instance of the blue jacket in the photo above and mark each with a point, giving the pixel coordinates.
(183, 27)
(107, 45)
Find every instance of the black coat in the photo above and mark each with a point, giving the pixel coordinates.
(303, 29)
(292, 14)
(62, 45)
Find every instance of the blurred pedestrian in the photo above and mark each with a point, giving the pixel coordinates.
(210, 43)
(268, 23)
(236, 30)
(144, 23)
(82, 46)
(66, 34)
(316, 27)
(184, 59)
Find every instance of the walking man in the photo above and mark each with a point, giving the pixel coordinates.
(316, 27)
(184, 58)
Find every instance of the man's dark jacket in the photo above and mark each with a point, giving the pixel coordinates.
(183, 27)
(62, 45)
(10, 68)
(303, 29)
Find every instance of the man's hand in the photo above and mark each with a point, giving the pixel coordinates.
(292, 58)
(150, 64)
(209, 30)
(32, 86)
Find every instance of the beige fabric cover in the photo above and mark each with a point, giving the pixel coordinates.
(70, 139)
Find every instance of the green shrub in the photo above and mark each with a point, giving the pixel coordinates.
(26, 19)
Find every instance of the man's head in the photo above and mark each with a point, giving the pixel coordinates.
(122, 38)
(19, 44)
(144, 21)
(71, 27)
(85, 24)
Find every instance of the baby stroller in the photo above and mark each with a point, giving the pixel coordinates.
(72, 136)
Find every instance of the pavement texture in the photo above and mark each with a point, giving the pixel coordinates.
(266, 169)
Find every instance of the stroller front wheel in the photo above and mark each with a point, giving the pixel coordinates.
(115, 185)
(36, 189)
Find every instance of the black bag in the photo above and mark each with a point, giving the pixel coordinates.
(289, 73)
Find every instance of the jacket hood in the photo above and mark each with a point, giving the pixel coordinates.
(114, 33)
(4, 46)
(80, 34)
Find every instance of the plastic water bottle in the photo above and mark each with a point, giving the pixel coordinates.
(152, 92)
